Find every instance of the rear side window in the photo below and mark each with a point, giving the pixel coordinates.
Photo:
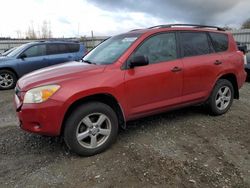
(220, 41)
(194, 43)
(62, 48)
(73, 47)
(159, 48)
(52, 49)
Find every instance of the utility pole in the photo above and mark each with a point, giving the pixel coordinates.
(92, 38)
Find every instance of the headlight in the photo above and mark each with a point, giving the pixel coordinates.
(40, 94)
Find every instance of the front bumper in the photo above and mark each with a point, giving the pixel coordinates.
(44, 118)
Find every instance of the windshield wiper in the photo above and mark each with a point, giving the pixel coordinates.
(89, 62)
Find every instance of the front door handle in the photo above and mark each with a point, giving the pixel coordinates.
(176, 69)
(217, 62)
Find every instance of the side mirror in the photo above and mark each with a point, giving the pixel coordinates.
(22, 56)
(138, 61)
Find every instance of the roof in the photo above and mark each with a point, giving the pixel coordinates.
(180, 27)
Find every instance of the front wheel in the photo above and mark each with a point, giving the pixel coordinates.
(7, 79)
(221, 98)
(91, 128)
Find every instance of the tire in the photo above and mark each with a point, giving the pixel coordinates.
(8, 79)
(91, 129)
(221, 98)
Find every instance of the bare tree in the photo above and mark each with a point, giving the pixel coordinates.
(31, 34)
(42, 32)
(45, 30)
(246, 24)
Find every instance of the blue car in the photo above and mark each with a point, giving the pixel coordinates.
(36, 55)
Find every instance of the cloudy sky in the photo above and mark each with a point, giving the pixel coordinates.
(71, 18)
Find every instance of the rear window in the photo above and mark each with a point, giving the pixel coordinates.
(194, 43)
(220, 41)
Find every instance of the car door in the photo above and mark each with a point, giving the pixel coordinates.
(32, 59)
(58, 53)
(159, 84)
(200, 65)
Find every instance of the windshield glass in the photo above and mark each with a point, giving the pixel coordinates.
(16, 51)
(111, 49)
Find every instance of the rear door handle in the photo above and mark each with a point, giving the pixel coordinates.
(217, 62)
(176, 69)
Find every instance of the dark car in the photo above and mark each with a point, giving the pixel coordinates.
(129, 76)
(36, 55)
(247, 66)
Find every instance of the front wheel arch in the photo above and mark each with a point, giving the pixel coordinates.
(105, 98)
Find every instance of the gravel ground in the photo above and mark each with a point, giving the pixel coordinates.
(184, 148)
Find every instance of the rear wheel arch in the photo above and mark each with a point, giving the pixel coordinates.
(231, 78)
(105, 98)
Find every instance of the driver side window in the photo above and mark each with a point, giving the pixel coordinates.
(35, 51)
(159, 48)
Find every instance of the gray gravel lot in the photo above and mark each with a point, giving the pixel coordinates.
(184, 148)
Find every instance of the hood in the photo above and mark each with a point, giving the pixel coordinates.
(56, 74)
(5, 59)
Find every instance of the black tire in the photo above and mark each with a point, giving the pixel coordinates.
(73, 125)
(219, 109)
(10, 76)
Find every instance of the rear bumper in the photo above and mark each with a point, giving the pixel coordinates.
(43, 118)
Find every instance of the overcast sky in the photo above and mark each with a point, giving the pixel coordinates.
(70, 18)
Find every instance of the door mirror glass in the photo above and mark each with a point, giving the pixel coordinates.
(138, 61)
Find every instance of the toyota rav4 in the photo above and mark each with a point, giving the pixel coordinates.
(129, 76)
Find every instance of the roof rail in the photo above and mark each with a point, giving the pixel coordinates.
(58, 40)
(187, 25)
(134, 30)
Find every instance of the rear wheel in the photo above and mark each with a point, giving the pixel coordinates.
(91, 129)
(7, 79)
(221, 98)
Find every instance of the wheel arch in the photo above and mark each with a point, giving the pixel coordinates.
(232, 78)
(105, 98)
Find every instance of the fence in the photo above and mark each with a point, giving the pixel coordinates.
(89, 42)
(242, 36)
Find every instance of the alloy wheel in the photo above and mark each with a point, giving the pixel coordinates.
(93, 130)
(6, 80)
(223, 98)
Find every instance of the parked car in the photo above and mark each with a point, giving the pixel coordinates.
(36, 55)
(247, 66)
(6, 52)
(129, 76)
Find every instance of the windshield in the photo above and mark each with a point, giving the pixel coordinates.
(111, 49)
(16, 51)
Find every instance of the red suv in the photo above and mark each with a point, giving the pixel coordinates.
(129, 76)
